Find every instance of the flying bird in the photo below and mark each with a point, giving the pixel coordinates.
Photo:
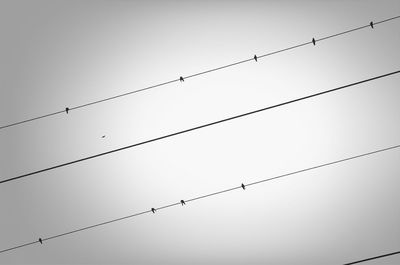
(313, 41)
(103, 136)
(183, 202)
(181, 79)
(153, 210)
(243, 186)
(66, 110)
(371, 24)
(255, 58)
(40, 240)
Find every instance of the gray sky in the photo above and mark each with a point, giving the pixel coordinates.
(55, 54)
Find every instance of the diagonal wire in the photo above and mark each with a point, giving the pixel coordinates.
(194, 75)
(206, 196)
(376, 257)
(198, 127)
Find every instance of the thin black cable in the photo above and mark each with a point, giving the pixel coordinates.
(198, 127)
(206, 196)
(386, 20)
(327, 164)
(197, 74)
(377, 257)
(342, 33)
(19, 246)
(32, 119)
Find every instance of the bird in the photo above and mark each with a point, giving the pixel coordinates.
(181, 79)
(313, 41)
(255, 57)
(183, 202)
(66, 110)
(371, 24)
(40, 240)
(103, 136)
(243, 186)
(153, 210)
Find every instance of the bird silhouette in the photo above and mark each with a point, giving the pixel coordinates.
(255, 58)
(40, 240)
(181, 79)
(66, 110)
(313, 41)
(371, 24)
(153, 210)
(243, 186)
(183, 202)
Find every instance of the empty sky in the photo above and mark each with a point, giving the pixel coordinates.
(55, 54)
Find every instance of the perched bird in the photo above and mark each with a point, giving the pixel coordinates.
(243, 186)
(371, 24)
(255, 57)
(183, 202)
(40, 240)
(313, 41)
(181, 79)
(66, 110)
(153, 210)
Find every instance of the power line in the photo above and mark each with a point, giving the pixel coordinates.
(197, 127)
(196, 74)
(242, 186)
(377, 257)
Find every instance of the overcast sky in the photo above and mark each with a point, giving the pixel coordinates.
(57, 54)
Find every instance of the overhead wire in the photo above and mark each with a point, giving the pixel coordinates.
(192, 75)
(376, 257)
(197, 127)
(242, 186)
(202, 126)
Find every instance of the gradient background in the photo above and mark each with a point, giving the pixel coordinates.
(55, 54)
